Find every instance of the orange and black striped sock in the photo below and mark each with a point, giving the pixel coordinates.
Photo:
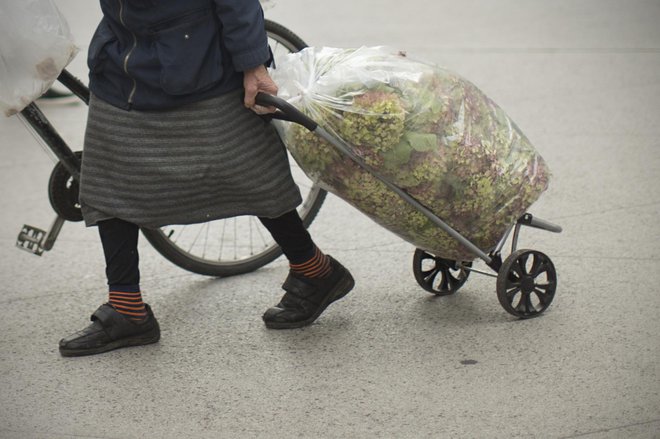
(317, 266)
(129, 304)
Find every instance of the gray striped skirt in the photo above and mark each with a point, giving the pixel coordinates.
(199, 162)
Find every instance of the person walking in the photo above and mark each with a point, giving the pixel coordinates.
(174, 137)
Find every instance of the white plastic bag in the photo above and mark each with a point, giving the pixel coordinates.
(35, 46)
(427, 130)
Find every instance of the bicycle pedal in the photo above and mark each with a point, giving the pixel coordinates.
(30, 239)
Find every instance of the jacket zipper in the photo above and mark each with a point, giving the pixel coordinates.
(128, 55)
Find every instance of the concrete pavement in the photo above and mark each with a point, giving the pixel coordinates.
(581, 80)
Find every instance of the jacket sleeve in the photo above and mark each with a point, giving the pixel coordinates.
(243, 32)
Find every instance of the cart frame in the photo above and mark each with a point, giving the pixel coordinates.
(514, 276)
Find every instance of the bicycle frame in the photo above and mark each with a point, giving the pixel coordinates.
(31, 238)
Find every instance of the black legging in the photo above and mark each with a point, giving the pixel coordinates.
(119, 239)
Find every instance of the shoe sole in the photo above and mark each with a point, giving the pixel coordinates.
(343, 287)
(135, 340)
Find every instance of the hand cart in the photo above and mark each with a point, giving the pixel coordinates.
(526, 279)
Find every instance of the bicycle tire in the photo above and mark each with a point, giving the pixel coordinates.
(283, 35)
(162, 238)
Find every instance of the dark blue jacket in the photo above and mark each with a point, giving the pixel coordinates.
(156, 54)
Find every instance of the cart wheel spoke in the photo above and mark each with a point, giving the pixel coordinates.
(522, 263)
(538, 266)
(514, 277)
(525, 305)
(433, 274)
(510, 294)
(544, 297)
(444, 281)
(428, 273)
(454, 282)
(518, 270)
(545, 287)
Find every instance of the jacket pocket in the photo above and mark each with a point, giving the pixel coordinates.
(189, 54)
(96, 53)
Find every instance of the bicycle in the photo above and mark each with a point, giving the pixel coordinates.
(241, 243)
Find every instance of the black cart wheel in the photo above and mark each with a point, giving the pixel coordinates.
(526, 283)
(439, 276)
(63, 192)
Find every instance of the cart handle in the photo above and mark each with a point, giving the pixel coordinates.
(285, 111)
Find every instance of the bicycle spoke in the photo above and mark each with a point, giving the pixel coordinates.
(235, 239)
(206, 239)
(195, 240)
(250, 233)
(176, 239)
(276, 48)
(222, 238)
(263, 239)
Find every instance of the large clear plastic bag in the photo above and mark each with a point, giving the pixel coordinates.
(35, 46)
(425, 129)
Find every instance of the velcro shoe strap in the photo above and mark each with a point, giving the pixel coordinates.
(298, 286)
(114, 324)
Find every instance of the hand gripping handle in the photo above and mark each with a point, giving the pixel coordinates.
(286, 111)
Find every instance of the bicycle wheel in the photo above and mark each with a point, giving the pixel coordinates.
(237, 245)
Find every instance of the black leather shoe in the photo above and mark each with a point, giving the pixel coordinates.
(110, 330)
(306, 298)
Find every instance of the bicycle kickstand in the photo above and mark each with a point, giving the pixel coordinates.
(35, 240)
